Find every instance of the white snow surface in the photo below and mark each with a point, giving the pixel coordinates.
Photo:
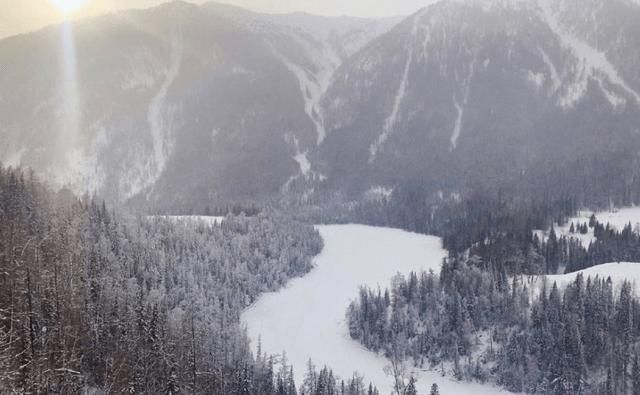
(619, 218)
(303, 162)
(466, 87)
(390, 122)
(618, 271)
(158, 124)
(147, 167)
(553, 71)
(306, 169)
(616, 218)
(14, 159)
(457, 127)
(313, 85)
(307, 318)
(591, 63)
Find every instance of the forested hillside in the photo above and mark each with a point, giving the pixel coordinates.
(481, 326)
(498, 221)
(489, 127)
(93, 299)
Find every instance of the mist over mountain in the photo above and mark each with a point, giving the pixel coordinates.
(184, 105)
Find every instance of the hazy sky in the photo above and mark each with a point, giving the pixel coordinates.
(17, 16)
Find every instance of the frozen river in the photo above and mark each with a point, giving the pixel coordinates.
(307, 318)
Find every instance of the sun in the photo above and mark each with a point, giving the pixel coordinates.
(68, 7)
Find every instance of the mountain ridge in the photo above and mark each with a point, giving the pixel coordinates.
(254, 106)
(183, 70)
(467, 85)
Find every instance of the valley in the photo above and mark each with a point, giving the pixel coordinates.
(211, 198)
(306, 319)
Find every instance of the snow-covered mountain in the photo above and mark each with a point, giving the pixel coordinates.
(483, 88)
(185, 105)
(179, 104)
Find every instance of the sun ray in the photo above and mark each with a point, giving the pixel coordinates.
(68, 7)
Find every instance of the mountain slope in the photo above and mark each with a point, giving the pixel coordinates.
(175, 106)
(184, 106)
(485, 88)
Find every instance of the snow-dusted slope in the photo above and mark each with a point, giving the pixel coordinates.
(618, 271)
(591, 63)
(324, 43)
(616, 218)
(181, 104)
(390, 121)
(485, 88)
(619, 218)
(178, 105)
(344, 35)
(307, 319)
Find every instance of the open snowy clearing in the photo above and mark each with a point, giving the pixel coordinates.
(617, 219)
(618, 272)
(307, 318)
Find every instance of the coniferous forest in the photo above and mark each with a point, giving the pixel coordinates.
(483, 318)
(91, 299)
(96, 298)
(267, 197)
(484, 327)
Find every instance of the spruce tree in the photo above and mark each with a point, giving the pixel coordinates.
(411, 387)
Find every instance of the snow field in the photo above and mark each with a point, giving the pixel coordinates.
(617, 219)
(618, 271)
(306, 320)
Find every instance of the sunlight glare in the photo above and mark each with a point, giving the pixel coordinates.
(68, 7)
(70, 111)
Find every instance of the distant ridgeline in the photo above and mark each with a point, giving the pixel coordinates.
(184, 106)
(91, 299)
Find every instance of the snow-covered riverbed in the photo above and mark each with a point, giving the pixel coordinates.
(307, 318)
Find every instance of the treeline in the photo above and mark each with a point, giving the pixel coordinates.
(248, 210)
(534, 338)
(502, 232)
(609, 245)
(92, 300)
(324, 382)
(498, 227)
(544, 193)
(530, 253)
(497, 217)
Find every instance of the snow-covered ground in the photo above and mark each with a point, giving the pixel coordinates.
(620, 218)
(617, 219)
(618, 272)
(307, 318)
